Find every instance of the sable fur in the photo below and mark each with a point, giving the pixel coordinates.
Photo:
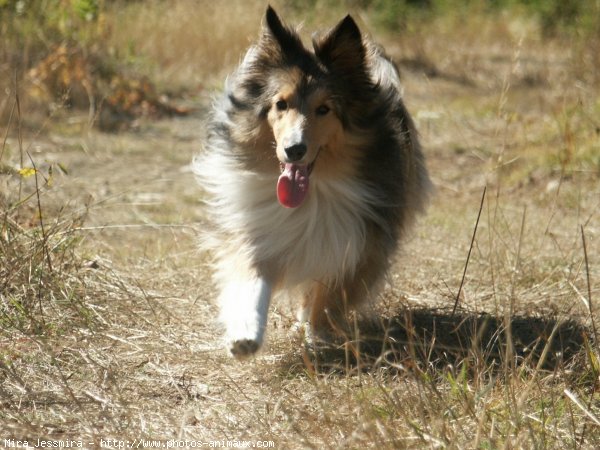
(342, 101)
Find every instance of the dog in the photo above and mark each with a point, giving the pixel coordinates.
(312, 172)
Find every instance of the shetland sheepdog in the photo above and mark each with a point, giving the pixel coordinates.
(311, 173)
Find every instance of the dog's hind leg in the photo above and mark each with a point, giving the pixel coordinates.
(244, 309)
(331, 306)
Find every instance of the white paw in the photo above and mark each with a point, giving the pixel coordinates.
(244, 341)
(243, 348)
(244, 307)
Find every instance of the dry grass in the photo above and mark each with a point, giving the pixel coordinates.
(196, 43)
(106, 308)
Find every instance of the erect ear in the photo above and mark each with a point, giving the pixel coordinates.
(288, 40)
(342, 49)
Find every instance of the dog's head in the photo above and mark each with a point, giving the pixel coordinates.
(303, 97)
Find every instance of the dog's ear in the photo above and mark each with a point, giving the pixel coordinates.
(288, 40)
(341, 49)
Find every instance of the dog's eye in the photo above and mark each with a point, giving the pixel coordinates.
(322, 110)
(281, 105)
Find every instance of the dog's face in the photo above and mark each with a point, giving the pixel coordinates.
(303, 120)
(305, 99)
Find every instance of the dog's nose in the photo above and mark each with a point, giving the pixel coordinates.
(295, 152)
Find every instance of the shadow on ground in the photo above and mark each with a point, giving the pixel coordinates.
(434, 339)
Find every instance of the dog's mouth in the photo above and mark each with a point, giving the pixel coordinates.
(292, 185)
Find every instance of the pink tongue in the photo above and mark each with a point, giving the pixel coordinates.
(292, 185)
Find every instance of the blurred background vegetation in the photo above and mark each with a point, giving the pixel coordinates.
(121, 59)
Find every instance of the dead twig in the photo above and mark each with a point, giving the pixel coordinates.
(462, 281)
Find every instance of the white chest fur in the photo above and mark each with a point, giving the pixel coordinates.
(321, 239)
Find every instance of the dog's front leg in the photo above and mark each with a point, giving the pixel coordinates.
(244, 309)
